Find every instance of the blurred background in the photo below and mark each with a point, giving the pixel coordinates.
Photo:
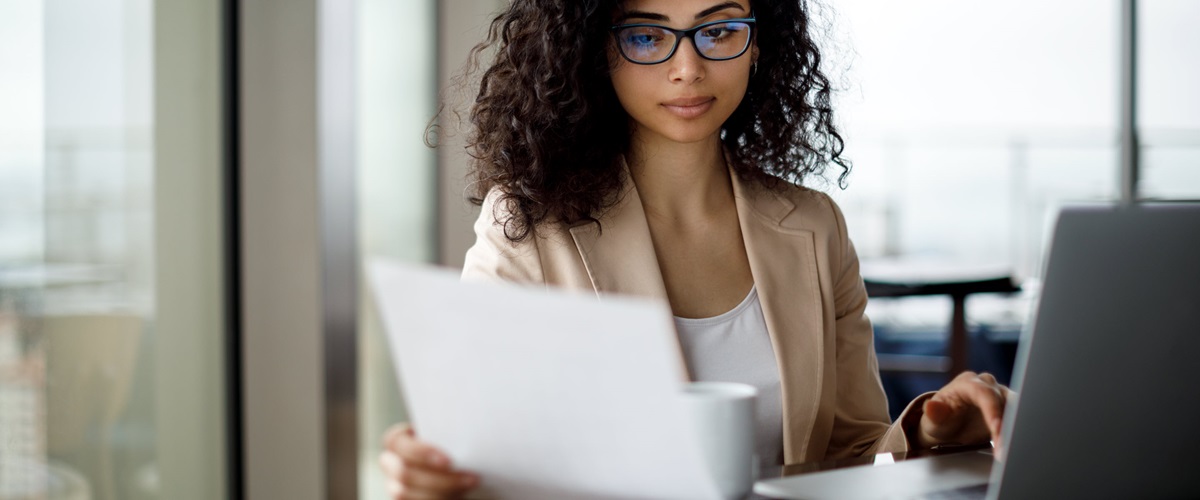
(188, 189)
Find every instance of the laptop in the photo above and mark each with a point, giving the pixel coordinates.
(1109, 397)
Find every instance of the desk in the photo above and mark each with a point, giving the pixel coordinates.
(842, 463)
(904, 278)
(966, 473)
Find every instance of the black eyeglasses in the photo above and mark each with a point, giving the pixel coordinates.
(715, 41)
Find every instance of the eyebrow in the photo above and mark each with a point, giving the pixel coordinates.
(654, 16)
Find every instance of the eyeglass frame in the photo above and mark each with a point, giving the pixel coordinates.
(689, 33)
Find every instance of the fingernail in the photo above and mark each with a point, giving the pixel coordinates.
(437, 459)
(468, 481)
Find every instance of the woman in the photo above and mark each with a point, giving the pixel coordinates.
(655, 148)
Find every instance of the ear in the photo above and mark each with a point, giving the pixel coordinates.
(753, 53)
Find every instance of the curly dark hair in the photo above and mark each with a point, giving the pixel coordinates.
(548, 128)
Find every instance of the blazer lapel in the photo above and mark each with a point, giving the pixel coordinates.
(623, 261)
(784, 265)
(620, 259)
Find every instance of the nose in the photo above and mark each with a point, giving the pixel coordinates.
(686, 65)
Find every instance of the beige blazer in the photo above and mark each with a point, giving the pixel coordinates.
(806, 272)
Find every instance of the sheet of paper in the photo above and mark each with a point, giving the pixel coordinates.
(544, 394)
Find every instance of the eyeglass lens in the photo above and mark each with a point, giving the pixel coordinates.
(650, 44)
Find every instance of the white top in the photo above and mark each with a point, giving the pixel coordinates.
(735, 347)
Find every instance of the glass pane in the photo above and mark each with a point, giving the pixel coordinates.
(1168, 104)
(397, 89)
(970, 124)
(91, 289)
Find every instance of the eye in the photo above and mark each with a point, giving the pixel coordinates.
(642, 37)
(716, 32)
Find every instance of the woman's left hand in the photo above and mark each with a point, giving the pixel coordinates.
(968, 410)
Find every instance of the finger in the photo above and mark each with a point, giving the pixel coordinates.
(989, 399)
(954, 415)
(1002, 395)
(394, 489)
(960, 392)
(417, 477)
(414, 452)
(941, 423)
(950, 395)
(390, 463)
(937, 411)
(437, 482)
(393, 435)
(397, 491)
(966, 375)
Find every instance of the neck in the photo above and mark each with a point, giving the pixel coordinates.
(679, 181)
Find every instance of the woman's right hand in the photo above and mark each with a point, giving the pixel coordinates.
(417, 470)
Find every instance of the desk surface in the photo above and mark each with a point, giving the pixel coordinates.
(842, 463)
(952, 482)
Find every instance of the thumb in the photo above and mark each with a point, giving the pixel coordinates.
(938, 424)
(937, 412)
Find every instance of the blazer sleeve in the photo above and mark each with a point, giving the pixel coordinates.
(861, 422)
(494, 257)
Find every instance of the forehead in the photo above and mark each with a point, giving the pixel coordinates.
(684, 10)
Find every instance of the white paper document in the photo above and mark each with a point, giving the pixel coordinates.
(544, 394)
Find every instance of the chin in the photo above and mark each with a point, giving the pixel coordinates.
(692, 138)
(687, 133)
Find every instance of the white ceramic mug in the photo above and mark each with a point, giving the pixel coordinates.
(723, 416)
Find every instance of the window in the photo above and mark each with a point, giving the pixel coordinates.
(112, 322)
(1168, 105)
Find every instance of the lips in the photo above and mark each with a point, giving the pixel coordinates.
(689, 107)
